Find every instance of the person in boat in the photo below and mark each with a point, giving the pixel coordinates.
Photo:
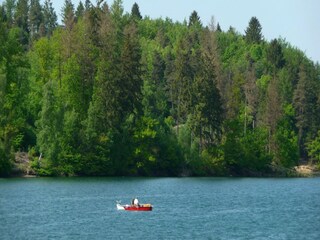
(136, 202)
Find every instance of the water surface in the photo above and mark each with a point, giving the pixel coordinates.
(184, 208)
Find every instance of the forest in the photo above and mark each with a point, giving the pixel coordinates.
(112, 93)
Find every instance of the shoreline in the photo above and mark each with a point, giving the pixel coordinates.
(307, 170)
(301, 171)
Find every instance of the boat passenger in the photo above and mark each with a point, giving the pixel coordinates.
(136, 202)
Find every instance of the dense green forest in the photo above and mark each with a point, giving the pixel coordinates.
(109, 93)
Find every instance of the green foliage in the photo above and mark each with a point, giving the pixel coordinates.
(253, 31)
(145, 139)
(112, 93)
(313, 148)
(49, 124)
(35, 19)
(194, 20)
(68, 12)
(275, 54)
(135, 12)
(49, 18)
(263, 82)
(287, 140)
(256, 52)
(246, 154)
(5, 163)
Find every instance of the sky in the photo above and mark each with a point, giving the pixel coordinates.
(297, 21)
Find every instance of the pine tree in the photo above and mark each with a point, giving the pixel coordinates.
(275, 54)
(305, 103)
(21, 20)
(155, 99)
(135, 12)
(117, 11)
(9, 7)
(50, 18)
(182, 82)
(87, 5)
(253, 31)
(131, 70)
(35, 18)
(80, 10)
(219, 28)
(68, 16)
(194, 19)
(207, 114)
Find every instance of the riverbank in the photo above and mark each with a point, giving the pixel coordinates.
(22, 168)
(307, 170)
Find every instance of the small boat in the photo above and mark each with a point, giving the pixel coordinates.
(139, 207)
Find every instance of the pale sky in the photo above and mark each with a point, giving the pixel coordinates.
(297, 21)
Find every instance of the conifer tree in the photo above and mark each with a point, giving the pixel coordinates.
(87, 5)
(49, 18)
(219, 28)
(253, 31)
(80, 10)
(21, 20)
(305, 103)
(135, 12)
(35, 18)
(9, 7)
(68, 14)
(194, 19)
(275, 54)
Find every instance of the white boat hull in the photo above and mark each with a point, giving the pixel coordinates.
(120, 207)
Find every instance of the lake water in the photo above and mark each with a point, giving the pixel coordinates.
(184, 208)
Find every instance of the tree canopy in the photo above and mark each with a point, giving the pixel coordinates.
(112, 93)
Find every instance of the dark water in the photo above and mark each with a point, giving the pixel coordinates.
(184, 208)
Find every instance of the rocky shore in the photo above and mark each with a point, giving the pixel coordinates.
(307, 170)
(22, 166)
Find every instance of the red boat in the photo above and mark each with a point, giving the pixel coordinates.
(139, 207)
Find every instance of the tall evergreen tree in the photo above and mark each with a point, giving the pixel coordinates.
(117, 11)
(80, 10)
(253, 31)
(35, 18)
(219, 28)
(87, 5)
(155, 99)
(275, 54)
(68, 15)
(21, 20)
(9, 7)
(207, 113)
(194, 19)
(135, 12)
(131, 70)
(182, 82)
(49, 18)
(305, 104)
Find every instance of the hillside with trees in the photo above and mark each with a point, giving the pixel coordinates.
(109, 93)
